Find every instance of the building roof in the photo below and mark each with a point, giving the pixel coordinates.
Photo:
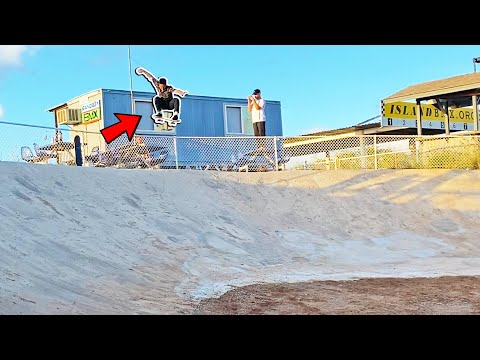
(368, 127)
(75, 98)
(367, 124)
(457, 90)
(464, 85)
(57, 107)
(150, 94)
(343, 130)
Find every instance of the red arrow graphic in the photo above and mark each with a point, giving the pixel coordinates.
(128, 123)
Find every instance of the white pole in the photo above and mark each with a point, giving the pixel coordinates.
(475, 112)
(131, 81)
(276, 152)
(175, 150)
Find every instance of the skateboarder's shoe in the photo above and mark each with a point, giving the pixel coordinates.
(158, 119)
(174, 120)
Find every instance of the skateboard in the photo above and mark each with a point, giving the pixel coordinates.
(166, 118)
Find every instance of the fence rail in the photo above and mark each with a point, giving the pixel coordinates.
(40, 144)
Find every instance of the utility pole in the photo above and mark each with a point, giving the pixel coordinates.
(131, 80)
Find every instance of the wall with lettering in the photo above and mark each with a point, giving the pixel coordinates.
(91, 112)
(403, 114)
(91, 109)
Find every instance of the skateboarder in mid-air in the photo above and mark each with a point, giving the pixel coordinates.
(164, 100)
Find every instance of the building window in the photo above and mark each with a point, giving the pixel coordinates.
(144, 108)
(234, 120)
(238, 120)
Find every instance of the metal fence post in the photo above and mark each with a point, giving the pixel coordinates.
(375, 151)
(176, 152)
(276, 152)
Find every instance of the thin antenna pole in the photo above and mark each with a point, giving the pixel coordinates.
(131, 80)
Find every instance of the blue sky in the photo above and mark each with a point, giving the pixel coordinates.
(320, 87)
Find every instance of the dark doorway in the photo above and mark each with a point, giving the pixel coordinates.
(78, 151)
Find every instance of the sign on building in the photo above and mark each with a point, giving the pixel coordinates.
(404, 114)
(91, 112)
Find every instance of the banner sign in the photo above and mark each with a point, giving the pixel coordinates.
(404, 114)
(91, 112)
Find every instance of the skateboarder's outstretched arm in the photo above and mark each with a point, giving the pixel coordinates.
(151, 78)
(182, 93)
(147, 74)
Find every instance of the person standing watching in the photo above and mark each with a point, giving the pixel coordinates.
(256, 105)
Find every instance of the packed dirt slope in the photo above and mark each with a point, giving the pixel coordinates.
(90, 240)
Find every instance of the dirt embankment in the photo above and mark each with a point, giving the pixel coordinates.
(445, 295)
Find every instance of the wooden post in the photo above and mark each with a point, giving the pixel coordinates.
(447, 120)
(475, 113)
(419, 119)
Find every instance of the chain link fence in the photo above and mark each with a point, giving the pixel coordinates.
(64, 146)
(385, 152)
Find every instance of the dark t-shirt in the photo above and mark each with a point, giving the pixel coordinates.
(167, 92)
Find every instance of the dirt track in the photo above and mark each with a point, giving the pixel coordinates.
(84, 240)
(445, 295)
